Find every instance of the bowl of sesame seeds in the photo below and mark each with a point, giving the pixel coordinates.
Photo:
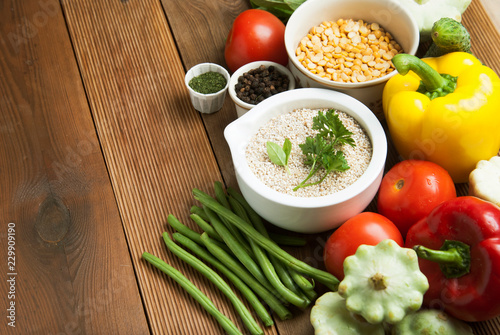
(347, 45)
(276, 189)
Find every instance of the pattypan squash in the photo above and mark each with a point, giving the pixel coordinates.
(431, 322)
(383, 283)
(329, 316)
(426, 12)
(484, 180)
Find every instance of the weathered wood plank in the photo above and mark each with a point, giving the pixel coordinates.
(154, 142)
(206, 25)
(73, 267)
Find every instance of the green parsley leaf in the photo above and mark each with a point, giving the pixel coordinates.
(330, 126)
(322, 151)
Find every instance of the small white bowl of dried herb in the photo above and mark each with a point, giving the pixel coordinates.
(309, 159)
(257, 81)
(207, 84)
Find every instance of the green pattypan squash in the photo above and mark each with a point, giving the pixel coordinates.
(329, 316)
(426, 12)
(431, 322)
(383, 283)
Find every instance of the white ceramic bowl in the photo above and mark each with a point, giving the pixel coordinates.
(206, 103)
(306, 214)
(389, 14)
(241, 106)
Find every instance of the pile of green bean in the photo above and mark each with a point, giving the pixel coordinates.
(236, 243)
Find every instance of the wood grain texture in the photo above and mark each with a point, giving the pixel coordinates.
(73, 267)
(219, 17)
(492, 7)
(484, 35)
(206, 25)
(154, 143)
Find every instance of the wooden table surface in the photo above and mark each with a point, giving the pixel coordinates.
(99, 143)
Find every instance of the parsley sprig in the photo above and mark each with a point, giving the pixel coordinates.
(323, 150)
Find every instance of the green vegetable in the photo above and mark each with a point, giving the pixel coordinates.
(448, 35)
(383, 283)
(431, 322)
(321, 276)
(329, 316)
(238, 283)
(185, 230)
(293, 241)
(206, 227)
(247, 277)
(331, 127)
(221, 197)
(211, 275)
(237, 248)
(279, 155)
(283, 9)
(268, 268)
(193, 291)
(288, 276)
(199, 211)
(208, 82)
(322, 151)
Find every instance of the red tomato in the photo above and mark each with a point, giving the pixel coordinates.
(255, 35)
(365, 228)
(411, 189)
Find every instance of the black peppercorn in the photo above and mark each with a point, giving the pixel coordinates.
(260, 83)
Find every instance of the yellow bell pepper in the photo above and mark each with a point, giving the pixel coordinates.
(445, 110)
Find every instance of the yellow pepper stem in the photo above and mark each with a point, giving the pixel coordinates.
(433, 84)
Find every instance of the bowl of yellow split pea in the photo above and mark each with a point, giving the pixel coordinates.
(347, 45)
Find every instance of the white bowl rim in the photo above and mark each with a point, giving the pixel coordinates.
(222, 70)
(297, 15)
(250, 66)
(349, 105)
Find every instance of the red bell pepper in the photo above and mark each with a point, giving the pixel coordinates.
(458, 245)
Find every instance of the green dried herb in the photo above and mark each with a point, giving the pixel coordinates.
(208, 82)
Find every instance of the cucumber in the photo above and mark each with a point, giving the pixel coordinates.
(448, 35)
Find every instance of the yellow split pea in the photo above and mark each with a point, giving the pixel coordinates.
(348, 51)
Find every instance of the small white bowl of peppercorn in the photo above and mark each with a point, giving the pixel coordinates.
(207, 84)
(257, 81)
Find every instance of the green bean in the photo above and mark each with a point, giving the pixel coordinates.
(283, 272)
(301, 281)
(238, 283)
(202, 299)
(266, 265)
(321, 276)
(289, 276)
(237, 248)
(182, 228)
(287, 240)
(199, 211)
(211, 275)
(220, 195)
(263, 292)
(206, 227)
(185, 230)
